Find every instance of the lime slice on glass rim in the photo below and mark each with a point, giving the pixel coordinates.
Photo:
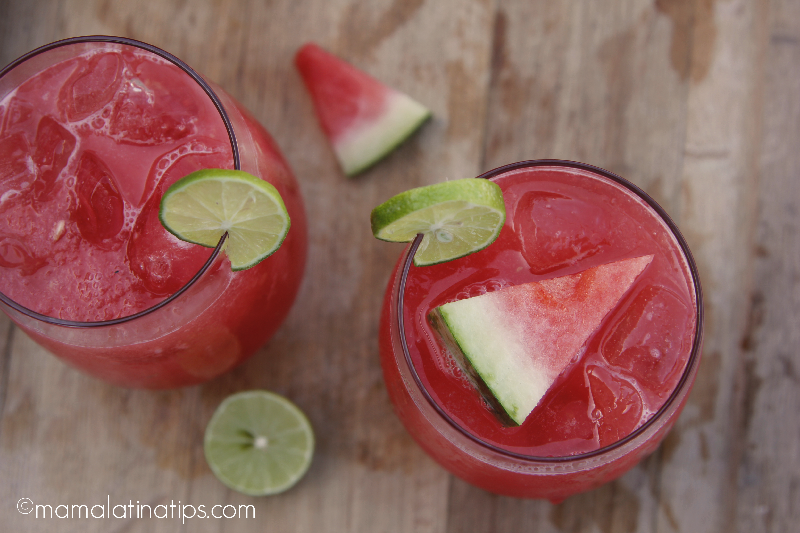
(258, 443)
(456, 217)
(201, 207)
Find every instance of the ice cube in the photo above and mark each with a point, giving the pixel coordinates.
(163, 263)
(557, 231)
(562, 414)
(151, 111)
(16, 166)
(15, 254)
(15, 114)
(92, 86)
(54, 146)
(631, 344)
(135, 123)
(100, 211)
(616, 407)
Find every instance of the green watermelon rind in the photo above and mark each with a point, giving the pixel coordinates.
(460, 326)
(371, 142)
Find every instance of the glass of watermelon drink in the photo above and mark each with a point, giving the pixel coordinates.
(92, 132)
(621, 390)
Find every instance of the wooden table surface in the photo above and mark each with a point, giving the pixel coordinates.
(696, 101)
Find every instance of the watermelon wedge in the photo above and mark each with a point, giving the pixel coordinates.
(363, 119)
(515, 342)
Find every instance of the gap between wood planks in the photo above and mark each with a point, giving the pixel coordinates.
(5, 367)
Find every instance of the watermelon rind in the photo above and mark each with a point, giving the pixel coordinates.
(512, 384)
(371, 141)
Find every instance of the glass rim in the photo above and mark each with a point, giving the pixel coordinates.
(236, 162)
(691, 362)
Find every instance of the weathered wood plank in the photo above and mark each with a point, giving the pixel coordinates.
(7, 331)
(768, 470)
(719, 179)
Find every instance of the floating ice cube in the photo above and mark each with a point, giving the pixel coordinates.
(100, 211)
(15, 254)
(16, 164)
(15, 114)
(616, 407)
(163, 263)
(92, 86)
(557, 231)
(152, 108)
(650, 358)
(54, 146)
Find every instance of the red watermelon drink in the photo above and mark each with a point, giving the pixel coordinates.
(591, 282)
(93, 130)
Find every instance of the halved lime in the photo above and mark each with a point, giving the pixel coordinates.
(202, 206)
(258, 443)
(457, 218)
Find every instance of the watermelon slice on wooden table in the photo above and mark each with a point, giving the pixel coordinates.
(363, 118)
(514, 343)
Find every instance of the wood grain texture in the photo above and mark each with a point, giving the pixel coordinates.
(696, 101)
(767, 481)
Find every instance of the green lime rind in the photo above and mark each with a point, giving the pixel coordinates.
(457, 218)
(258, 443)
(201, 207)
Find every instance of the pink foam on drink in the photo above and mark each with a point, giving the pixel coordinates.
(87, 147)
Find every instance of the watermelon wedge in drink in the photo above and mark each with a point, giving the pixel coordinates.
(554, 359)
(93, 131)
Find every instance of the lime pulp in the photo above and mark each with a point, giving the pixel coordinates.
(201, 207)
(258, 443)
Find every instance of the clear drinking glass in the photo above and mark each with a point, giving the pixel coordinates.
(215, 318)
(447, 418)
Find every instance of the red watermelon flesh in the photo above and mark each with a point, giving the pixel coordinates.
(363, 118)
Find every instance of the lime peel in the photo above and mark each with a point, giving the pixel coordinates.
(456, 217)
(201, 207)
